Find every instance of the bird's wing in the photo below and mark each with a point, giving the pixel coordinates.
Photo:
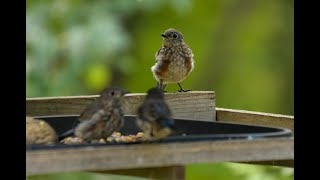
(153, 109)
(159, 110)
(90, 110)
(158, 56)
(142, 111)
(162, 114)
(187, 49)
(157, 53)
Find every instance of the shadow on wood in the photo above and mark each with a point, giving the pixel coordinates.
(174, 172)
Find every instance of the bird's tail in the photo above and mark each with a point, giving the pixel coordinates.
(170, 123)
(167, 122)
(66, 134)
(70, 132)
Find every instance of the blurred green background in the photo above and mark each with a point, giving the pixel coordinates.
(243, 51)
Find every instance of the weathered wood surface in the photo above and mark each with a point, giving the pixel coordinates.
(189, 105)
(255, 118)
(157, 155)
(145, 159)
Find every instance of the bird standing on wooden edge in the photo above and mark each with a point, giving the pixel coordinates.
(174, 60)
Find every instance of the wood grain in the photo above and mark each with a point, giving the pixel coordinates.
(144, 159)
(255, 118)
(157, 155)
(189, 105)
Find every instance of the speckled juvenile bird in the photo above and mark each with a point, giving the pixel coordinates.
(103, 116)
(174, 60)
(154, 116)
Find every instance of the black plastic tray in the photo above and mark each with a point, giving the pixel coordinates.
(194, 130)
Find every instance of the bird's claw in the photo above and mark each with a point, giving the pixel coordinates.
(182, 90)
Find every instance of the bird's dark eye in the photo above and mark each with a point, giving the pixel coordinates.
(175, 35)
(112, 93)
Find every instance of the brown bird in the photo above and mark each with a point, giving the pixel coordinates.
(154, 116)
(103, 116)
(174, 60)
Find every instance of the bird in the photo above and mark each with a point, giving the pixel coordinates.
(102, 117)
(174, 60)
(154, 116)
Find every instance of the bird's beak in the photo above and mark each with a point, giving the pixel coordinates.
(163, 35)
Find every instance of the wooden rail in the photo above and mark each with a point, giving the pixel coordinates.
(164, 159)
(255, 118)
(191, 105)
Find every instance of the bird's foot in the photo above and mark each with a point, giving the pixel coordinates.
(182, 90)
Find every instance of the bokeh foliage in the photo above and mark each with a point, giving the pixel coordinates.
(243, 49)
(234, 171)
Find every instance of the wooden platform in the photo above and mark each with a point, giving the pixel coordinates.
(162, 160)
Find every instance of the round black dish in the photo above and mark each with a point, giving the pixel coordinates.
(187, 131)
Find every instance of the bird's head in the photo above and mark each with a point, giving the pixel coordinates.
(113, 93)
(155, 93)
(172, 37)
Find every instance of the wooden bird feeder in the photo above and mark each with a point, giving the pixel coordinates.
(213, 135)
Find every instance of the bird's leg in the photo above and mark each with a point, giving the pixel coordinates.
(181, 89)
(158, 85)
(164, 87)
(161, 86)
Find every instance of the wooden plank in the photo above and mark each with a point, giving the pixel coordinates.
(255, 118)
(157, 155)
(189, 105)
(172, 172)
(259, 119)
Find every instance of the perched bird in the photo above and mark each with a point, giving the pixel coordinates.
(154, 116)
(174, 60)
(39, 132)
(103, 116)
